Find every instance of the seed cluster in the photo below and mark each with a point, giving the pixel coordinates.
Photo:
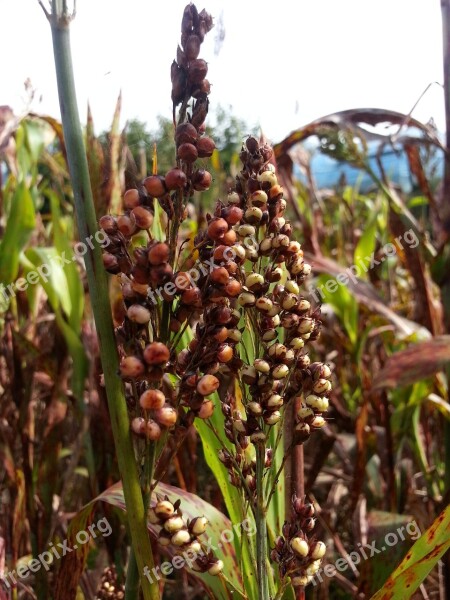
(182, 536)
(298, 554)
(109, 588)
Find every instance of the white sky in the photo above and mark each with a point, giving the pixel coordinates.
(282, 64)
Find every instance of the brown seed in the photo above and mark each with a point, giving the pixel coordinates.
(192, 47)
(217, 229)
(192, 296)
(201, 180)
(152, 400)
(205, 147)
(126, 224)
(221, 334)
(111, 263)
(143, 217)
(131, 367)
(131, 199)
(156, 353)
(175, 179)
(229, 238)
(108, 224)
(206, 409)
(138, 314)
(158, 253)
(220, 275)
(197, 70)
(207, 385)
(166, 416)
(275, 191)
(182, 281)
(225, 353)
(233, 215)
(155, 186)
(138, 426)
(233, 288)
(187, 152)
(185, 134)
(152, 430)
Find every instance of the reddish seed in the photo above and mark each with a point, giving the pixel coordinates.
(131, 367)
(156, 353)
(206, 410)
(233, 215)
(131, 199)
(158, 253)
(152, 400)
(152, 430)
(110, 263)
(233, 288)
(220, 275)
(205, 147)
(217, 229)
(191, 297)
(192, 47)
(221, 334)
(187, 152)
(185, 134)
(108, 224)
(140, 274)
(138, 426)
(166, 416)
(143, 217)
(229, 238)
(225, 353)
(126, 225)
(155, 186)
(207, 385)
(201, 180)
(175, 179)
(197, 70)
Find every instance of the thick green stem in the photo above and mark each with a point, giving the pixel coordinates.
(98, 288)
(261, 526)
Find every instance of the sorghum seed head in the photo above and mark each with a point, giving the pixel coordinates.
(166, 416)
(173, 524)
(131, 367)
(156, 353)
(207, 385)
(300, 546)
(164, 509)
(152, 400)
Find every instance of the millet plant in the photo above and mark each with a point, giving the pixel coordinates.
(212, 321)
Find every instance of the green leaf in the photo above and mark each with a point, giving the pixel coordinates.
(20, 223)
(366, 246)
(419, 561)
(344, 304)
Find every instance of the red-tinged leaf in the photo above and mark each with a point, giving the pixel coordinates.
(417, 362)
(420, 559)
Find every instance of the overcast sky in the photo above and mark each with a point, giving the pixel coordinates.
(282, 63)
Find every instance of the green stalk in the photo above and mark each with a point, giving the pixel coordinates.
(59, 20)
(261, 526)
